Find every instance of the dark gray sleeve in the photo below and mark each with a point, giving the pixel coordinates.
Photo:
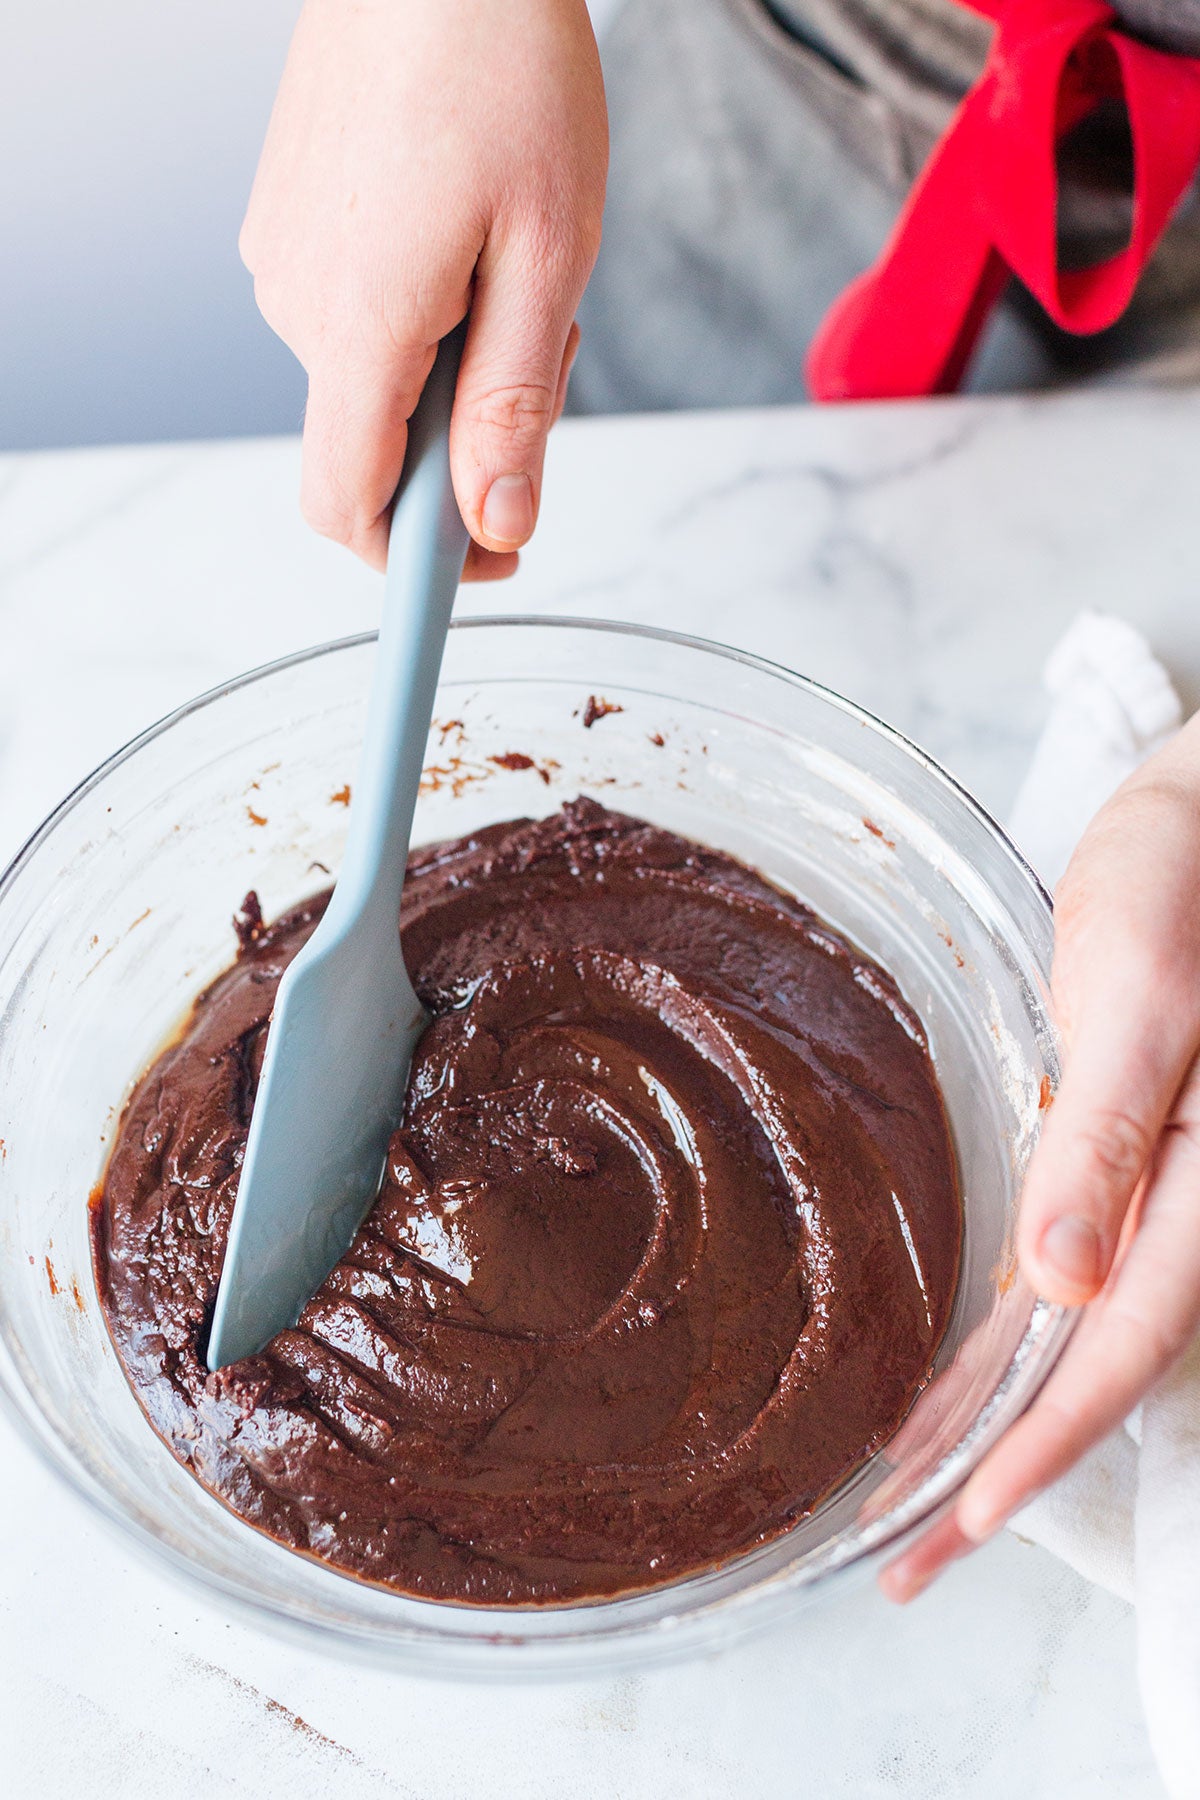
(1170, 24)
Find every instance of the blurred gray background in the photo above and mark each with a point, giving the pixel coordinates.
(129, 132)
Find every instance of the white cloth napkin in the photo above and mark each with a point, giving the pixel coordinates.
(1128, 1515)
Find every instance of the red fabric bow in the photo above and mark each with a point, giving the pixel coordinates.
(986, 202)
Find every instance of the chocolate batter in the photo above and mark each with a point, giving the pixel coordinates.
(664, 1249)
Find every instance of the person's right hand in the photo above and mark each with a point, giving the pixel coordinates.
(426, 159)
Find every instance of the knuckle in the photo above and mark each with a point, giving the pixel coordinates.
(1156, 1339)
(553, 241)
(557, 252)
(1158, 797)
(267, 296)
(1154, 807)
(1061, 1413)
(1115, 1147)
(524, 411)
(569, 255)
(1182, 1133)
(330, 510)
(1141, 810)
(324, 515)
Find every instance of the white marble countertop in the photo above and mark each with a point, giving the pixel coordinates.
(922, 560)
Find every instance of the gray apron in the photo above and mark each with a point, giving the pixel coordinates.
(760, 152)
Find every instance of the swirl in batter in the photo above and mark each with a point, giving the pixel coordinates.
(665, 1246)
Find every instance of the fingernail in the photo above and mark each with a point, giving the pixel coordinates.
(508, 509)
(1070, 1249)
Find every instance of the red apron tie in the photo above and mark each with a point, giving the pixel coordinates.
(986, 202)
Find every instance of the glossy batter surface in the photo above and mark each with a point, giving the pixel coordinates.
(664, 1249)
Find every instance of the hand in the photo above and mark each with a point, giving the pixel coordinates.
(1110, 1216)
(424, 160)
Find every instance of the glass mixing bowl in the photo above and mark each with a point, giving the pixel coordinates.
(117, 913)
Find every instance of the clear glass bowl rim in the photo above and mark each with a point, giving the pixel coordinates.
(937, 1488)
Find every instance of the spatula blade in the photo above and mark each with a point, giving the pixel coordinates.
(319, 1133)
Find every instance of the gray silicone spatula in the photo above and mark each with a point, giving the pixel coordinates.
(347, 1018)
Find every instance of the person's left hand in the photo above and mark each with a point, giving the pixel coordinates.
(1110, 1216)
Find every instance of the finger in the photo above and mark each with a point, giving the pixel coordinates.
(497, 565)
(509, 395)
(1126, 1340)
(489, 565)
(910, 1573)
(355, 432)
(1127, 1058)
(1096, 1144)
(355, 436)
(564, 374)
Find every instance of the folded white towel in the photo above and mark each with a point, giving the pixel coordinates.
(1111, 705)
(1128, 1515)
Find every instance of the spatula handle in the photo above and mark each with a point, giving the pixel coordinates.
(426, 551)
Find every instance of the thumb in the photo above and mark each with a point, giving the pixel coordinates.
(1126, 992)
(514, 365)
(1097, 1144)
